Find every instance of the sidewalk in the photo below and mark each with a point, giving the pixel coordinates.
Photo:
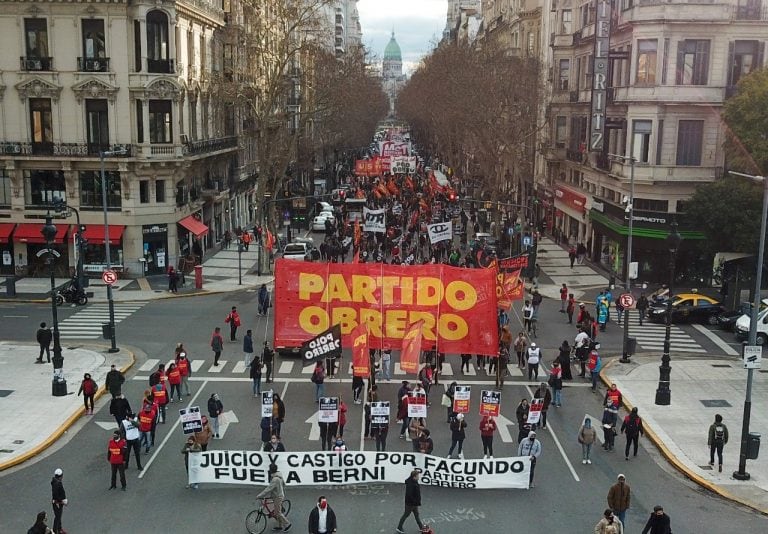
(220, 275)
(554, 262)
(701, 387)
(31, 417)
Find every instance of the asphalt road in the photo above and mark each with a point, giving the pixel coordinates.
(568, 497)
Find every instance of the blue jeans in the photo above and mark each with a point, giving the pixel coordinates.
(145, 440)
(620, 515)
(385, 369)
(257, 386)
(558, 396)
(594, 374)
(586, 448)
(319, 391)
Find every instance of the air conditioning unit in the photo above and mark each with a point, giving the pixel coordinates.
(10, 148)
(33, 64)
(93, 65)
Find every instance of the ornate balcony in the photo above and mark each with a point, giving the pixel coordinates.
(92, 64)
(41, 64)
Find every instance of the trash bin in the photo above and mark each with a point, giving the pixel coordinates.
(59, 388)
(10, 286)
(753, 445)
(106, 330)
(631, 345)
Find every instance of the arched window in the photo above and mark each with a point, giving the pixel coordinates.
(158, 53)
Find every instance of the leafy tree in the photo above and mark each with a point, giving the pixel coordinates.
(728, 212)
(746, 117)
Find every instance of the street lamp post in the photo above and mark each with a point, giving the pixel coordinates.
(629, 210)
(59, 384)
(60, 206)
(240, 260)
(102, 155)
(663, 393)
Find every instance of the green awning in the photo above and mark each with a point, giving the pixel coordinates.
(639, 231)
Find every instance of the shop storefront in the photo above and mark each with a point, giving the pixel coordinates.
(191, 234)
(155, 248)
(6, 249)
(570, 215)
(95, 251)
(649, 232)
(29, 242)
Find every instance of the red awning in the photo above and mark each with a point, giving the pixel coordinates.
(94, 234)
(194, 226)
(5, 231)
(31, 233)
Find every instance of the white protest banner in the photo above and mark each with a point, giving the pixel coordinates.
(266, 403)
(461, 399)
(417, 404)
(374, 220)
(380, 412)
(403, 164)
(534, 412)
(440, 232)
(191, 420)
(331, 468)
(328, 410)
(490, 402)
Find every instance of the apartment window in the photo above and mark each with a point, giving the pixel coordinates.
(692, 62)
(564, 73)
(94, 43)
(193, 119)
(144, 191)
(587, 15)
(97, 125)
(160, 130)
(531, 43)
(158, 52)
(41, 187)
(160, 191)
(41, 122)
(641, 140)
(690, 135)
(36, 31)
(744, 58)
(91, 192)
(137, 45)
(648, 204)
(566, 22)
(561, 127)
(646, 62)
(5, 189)
(587, 70)
(139, 121)
(659, 141)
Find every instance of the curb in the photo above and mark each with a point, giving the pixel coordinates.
(66, 425)
(677, 463)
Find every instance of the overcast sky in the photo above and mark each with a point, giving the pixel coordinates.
(418, 24)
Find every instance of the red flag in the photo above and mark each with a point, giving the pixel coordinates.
(361, 361)
(270, 242)
(356, 257)
(409, 356)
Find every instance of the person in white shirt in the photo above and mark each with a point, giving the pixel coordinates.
(582, 350)
(322, 519)
(527, 315)
(534, 357)
(132, 435)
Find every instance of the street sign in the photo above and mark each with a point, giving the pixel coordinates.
(527, 241)
(753, 355)
(109, 277)
(627, 300)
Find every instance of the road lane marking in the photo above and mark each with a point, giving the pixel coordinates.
(149, 365)
(218, 368)
(717, 340)
(299, 380)
(285, 368)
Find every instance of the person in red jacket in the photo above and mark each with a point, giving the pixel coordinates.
(174, 379)
(147, 417)
(487, 428)
(116, 457)
(613, 395)
(88, 388)
(234, 321)
(182, 363)
(342, 416)
(160, 396)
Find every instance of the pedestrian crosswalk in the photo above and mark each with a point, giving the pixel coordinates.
(86, 323)
(651, 336)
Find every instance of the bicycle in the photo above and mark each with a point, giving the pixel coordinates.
(256, 520)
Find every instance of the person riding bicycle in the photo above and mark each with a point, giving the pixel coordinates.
(276, 492)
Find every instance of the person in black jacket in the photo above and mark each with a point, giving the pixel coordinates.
(119, 407)
(322, 519)
(412, 501)
(58, 499)
(44, 337)
(658, 523)
(114, 381)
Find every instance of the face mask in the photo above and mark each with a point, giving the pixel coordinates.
(323, 505)
(532, 439)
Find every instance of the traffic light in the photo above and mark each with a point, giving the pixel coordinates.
(342, 194)
(452, 196)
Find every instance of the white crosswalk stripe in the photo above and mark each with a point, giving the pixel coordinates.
(285, 368)
(149, 366)
(239, 367)
(217, 368)
(196, 365)
(650, 336)
(86, 323)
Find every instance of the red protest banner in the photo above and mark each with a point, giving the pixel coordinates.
(361, 362)
(409, 355)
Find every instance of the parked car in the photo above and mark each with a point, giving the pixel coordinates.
(727, 320)
(322, 205)
(688, 308)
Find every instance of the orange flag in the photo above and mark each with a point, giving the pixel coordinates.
(409, 356)
(270, 242)
(361, 361)
(358, 232)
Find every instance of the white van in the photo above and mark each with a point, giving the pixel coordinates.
(742, 327)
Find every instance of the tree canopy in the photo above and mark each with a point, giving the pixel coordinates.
(746, 118)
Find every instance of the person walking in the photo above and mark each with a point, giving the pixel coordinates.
(594, 364)
(233, 319)
(44, 337)
(487, 429)
(386, 364)
(40, 526)
(88, 388)
(217, 345)
(160, 396)
(633, 428)
(114, 381)
(609, 524)
(610, 417)
(58, 500)
(215, 409)
(276, 491)
(521, 346)
(563, 298)
(533, 357)
(570, 307)
(572, 255)
(248, 347)
(613, 395)
(147, 419)
(379, 431)
(412, 501)
(581, 344)
(521, 412)
(466, 362)
(642, 307)
(357, 389)
(716, 439)
(278, 414)
(556, 383)
(185, 371)
(255, 374)
(174, 379)
(543, 393)
(342, 416)
(132, 440)
(204, 436)
(268, 357)
(658, 523)
(527, 315)
(116, 458)
(587, 437)
(447, 401)
(263, 300)
(318, 379)
(530, 447)
(619, 497)
(458, 433)
(322, 518)
(190, 446)
(118, 408)
(173, 280)
(564, 358)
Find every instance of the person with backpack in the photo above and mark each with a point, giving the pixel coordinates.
(633, 428)
(594, 364)
(88, 388)
(718, 437)
(318, 379)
